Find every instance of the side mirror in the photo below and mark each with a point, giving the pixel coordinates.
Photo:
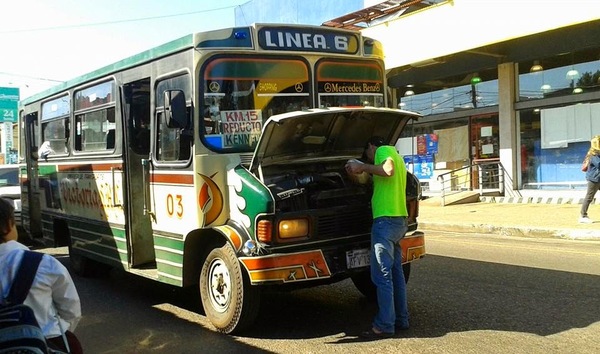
(175, 110)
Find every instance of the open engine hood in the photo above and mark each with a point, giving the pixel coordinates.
(332, 133)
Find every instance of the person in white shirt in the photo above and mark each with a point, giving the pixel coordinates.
(52, 297)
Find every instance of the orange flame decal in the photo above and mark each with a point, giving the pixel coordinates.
(210, 200)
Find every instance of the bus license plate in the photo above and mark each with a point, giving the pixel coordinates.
(358, 258)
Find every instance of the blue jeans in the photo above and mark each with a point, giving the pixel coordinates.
(592, 188)
(386, 273)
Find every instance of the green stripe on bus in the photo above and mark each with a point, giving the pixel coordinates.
(46, 170)
(176, 272)
(168, 256)
(166, 242)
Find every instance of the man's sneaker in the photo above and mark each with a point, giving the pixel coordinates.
(585, 220)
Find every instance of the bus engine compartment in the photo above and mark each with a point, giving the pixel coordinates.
(312, 189)
(327, 185)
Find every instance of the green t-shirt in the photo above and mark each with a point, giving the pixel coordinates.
(389, 193)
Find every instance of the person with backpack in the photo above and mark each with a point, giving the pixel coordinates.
(52, 295)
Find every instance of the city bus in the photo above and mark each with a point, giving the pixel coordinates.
(215, 161)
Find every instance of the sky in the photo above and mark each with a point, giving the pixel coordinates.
(45, 42)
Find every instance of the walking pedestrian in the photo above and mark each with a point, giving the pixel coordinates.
(591, 167)
(388, 205)
(52, 297)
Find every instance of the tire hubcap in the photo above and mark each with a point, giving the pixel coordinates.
(220, 285)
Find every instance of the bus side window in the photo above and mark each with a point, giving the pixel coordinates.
(110, 139)
(174, 144)
(174, 119)
(95, 130)
(54, 136)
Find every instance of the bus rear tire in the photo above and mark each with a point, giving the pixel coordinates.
(88, 268)
(230, 302)
(362, 282)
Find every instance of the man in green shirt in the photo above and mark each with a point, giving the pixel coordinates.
(388, 204)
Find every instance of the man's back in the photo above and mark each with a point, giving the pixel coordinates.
(389, 193)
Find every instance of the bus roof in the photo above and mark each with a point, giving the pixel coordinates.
(199, 40)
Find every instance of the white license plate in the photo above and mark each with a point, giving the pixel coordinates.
(358, 258)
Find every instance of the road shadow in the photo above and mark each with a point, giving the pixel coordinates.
(127, 314)
(446, 295)
(457, 295)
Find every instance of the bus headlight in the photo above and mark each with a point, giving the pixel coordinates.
(293, 228)
(249, 248)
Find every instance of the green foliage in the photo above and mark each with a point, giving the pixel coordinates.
(589, 80)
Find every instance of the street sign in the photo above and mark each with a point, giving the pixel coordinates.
(9, 104)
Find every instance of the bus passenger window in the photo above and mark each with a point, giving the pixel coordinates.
(95, 131)
(173, 142)
(54, 137)
(110, 139)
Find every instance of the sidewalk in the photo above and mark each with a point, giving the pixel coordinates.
(509, 219)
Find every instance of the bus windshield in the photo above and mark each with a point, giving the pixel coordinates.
(349, 83)
(241, 93)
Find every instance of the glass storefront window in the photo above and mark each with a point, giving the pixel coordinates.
(430, 149)
(453, 99)
(560, 81)
(554, 142)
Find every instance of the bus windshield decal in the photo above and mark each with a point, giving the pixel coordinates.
(310, 40)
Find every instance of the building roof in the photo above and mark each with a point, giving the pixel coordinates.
(360, 19)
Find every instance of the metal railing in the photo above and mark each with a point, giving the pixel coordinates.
(487, 176)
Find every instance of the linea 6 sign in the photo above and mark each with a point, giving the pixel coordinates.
(9, 104)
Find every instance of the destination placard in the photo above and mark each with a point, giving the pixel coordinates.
(241, 127)
(307, 40)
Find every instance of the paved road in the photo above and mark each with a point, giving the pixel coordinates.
(471, 294)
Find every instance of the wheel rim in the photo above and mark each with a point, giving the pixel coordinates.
(219, 285)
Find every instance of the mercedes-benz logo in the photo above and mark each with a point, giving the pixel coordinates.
(214, 86)
(299, 87)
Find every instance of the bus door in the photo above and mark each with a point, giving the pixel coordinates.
(31, 189)
(135, 98)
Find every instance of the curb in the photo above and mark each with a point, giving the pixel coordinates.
(535, 200)
(511, 231)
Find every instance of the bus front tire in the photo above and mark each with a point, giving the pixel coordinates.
(230, 302)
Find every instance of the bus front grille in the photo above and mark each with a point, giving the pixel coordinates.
(344, 222)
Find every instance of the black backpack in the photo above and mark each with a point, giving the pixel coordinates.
(19, 330)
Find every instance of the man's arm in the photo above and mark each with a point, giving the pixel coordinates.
(384, 169)
(64, 295)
